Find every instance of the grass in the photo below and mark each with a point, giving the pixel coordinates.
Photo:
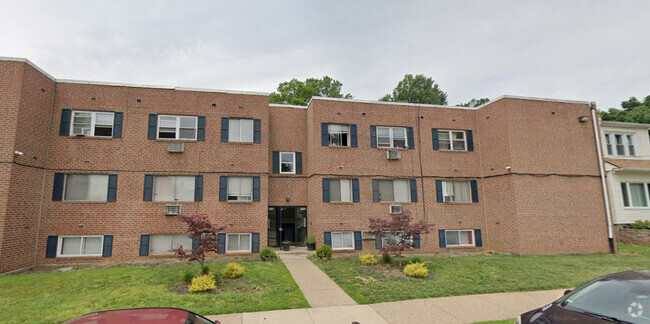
(479, 274)
(59, 296)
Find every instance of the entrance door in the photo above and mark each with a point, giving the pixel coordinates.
(287, 224)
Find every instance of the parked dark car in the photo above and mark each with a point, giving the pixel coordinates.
(622, 297)
(143, 316)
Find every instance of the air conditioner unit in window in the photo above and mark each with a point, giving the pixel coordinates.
(393, 155)
(84, 132)
(172, 210)
(175, 147)
(396, 209)
(367, 235)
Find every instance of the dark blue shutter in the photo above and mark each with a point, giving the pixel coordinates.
(355, 190)
(439, 191)
(477, 237)
(441, 237)
(144, 244)
(118, 118)
(378, 243)
(223, 188)
(373, 136)
(257, 130)
(414, 190)
(50, 248)
(298, 163)
(357, 241)
(436, 141)
(153, 125)
(195, 244)
(255, 239)
(221, 239)
(108, 246)
(64, 127)
(224, 129)
(112, 187)
(324, 134)
(256, 188)
(198, 188)
(328, 239)
(410, 137)
(326, 189)
(276, 162)
(474, 185)
(200, 129)
(148, 187)
(375, 190)
(416, 241)
(353, 136)
(57, 190)
(470, 140)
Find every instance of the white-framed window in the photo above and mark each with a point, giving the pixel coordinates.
(165, 243)
(92, 123)
(456, 191)
(342, 240)
(173, 188)
(340, 190)
(83, 245)
(240, 188)
(86, 187)
(452, 140)
(177, 127)
(394, 190)
(240, 130)
(391, 137)
(459, 238)
(620, 144)
(288, 162)
(635, 194)
(238, 242)
(339, 135)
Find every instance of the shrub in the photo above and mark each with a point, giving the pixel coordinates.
(324, 252)
(416, 270)
(639, 224)
(233, 270)
(268, 254)
(188, 276)
(217, 279)
(206, 269)
(415, 260)
(386, 258)
(203, 283)
(368, 259)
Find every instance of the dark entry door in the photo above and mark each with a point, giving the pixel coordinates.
(287, 224)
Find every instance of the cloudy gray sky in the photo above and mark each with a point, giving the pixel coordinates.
(583, 50)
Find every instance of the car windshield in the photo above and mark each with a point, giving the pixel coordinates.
(624, 300)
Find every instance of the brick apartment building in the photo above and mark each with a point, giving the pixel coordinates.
(88, 171)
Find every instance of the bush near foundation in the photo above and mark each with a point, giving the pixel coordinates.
(324, 252)
(368, 259)
(233, 270)
(416, 270)
(268, 254)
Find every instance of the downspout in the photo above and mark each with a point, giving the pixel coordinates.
(610, 233)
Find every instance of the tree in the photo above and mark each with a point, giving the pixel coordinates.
(474, 102)
(399, 232)
(204, 239)
(417, 89)
(633, 111)
(296, 92)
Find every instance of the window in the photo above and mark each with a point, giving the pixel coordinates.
(240, 130)
(456, 191)
(392, 238)
(339, 135)
(451, 140)
(635, 194)
(620, 144)
(90, 123)
(238, 242)
(88, 187)
(177, 127)
(391, 137)
(173, 188)
(240, 188)
(342, 240)
(394, 190)
(340, 190)
(459, 238)
(608, 140)
(287, 162)
(165, 243)
(80, 246)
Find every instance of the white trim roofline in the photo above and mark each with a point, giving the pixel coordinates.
(287, 106)
(624, 124)
(24, 60)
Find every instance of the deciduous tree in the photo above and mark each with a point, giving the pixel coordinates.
(417, 89)
(399, 232)
(204, 238)
(633, 111)
(296, 92)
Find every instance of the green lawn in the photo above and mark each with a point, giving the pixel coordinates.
(479, 274)
(59, 296)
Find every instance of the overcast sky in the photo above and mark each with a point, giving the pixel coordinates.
(582, 50)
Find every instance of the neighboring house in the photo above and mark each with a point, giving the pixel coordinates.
(93, 171)
(626, 149)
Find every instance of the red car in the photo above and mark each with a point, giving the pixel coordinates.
(143, 316)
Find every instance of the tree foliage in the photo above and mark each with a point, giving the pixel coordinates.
(204, 234)
(476, 102)
(632, 111)
(399, 232)
(417, 89)
(296, 92)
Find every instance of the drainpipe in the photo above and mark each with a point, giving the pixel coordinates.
(610, 233)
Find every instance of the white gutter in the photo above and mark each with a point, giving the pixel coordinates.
(594, 119)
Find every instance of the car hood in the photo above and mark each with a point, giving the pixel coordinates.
(555, 314)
